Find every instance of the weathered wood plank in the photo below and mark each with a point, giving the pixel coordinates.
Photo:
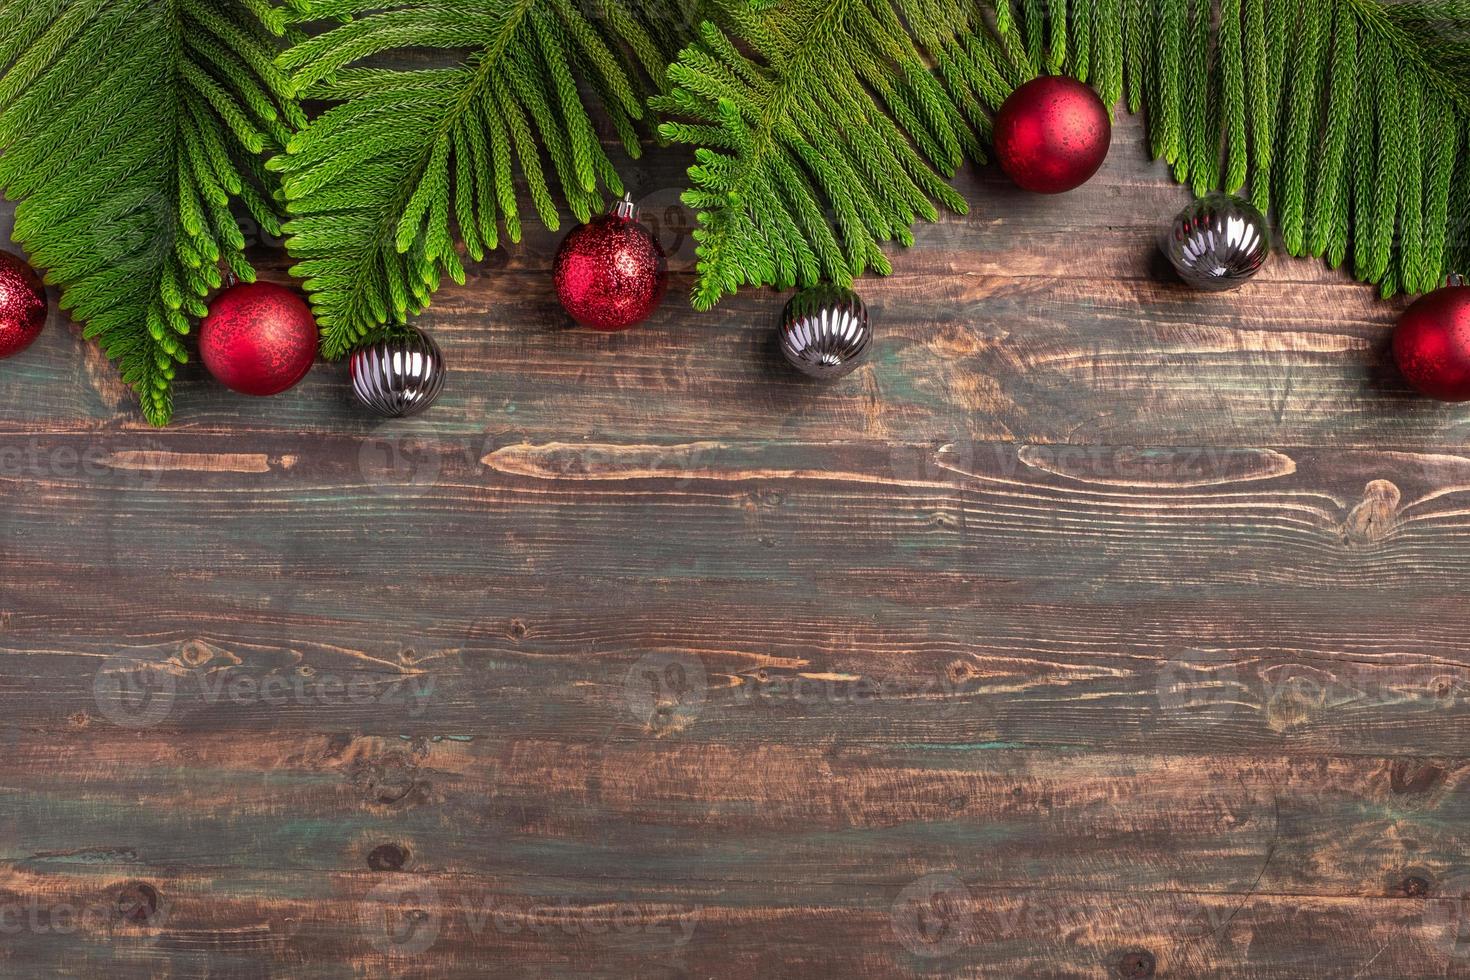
(849, 819)
(1167, 599)
(426, 925)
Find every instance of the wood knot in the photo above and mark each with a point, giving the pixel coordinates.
(1444, 688)
(389, 781)
(1409, 778)
(392, 786)
(1414, 886)
(137, 902)
(336, 745)
(517, 629)
(1296, 694)
(195, 653)
(1375, 516)
(387, 857)
(1136, 964)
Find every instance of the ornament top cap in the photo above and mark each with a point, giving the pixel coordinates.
(624, 209)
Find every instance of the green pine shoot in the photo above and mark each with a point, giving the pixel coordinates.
(1348, 119)
(822, 127)
(128, 129)
(410, 162)
(822, 132)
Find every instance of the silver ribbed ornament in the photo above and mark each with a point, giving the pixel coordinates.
(400, 376)
(1219, 242)
(825, 331)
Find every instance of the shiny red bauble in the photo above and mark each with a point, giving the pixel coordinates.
(258, 339)
(1432, 344)
(23, 305)
(1052, 134)
(611, 273)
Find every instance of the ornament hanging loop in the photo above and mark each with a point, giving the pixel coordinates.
(1454, 279)
(625, 208)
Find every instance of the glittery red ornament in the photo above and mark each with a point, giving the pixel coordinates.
(1052, 134)
(611, 272)
(22, 305)
(258, 339)
(1432, 344)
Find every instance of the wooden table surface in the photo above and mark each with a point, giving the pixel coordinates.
(1095, 627)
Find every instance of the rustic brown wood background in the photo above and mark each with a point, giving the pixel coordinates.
(1094, 628)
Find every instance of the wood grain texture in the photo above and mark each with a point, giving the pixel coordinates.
(1095, 628)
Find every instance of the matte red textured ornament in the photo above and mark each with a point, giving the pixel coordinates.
(1052, 134)
(611, 273)
(22, 305)
(258, 339)
(1432, 343)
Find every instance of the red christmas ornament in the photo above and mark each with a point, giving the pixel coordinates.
(258, 339)
(1052, 134)
(611, 272)
(23, 305)
(1432, 343)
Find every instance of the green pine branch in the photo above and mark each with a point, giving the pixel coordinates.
(411, 163)
(128, 129)
(822, 127)
(821, 131)
(1356, 129)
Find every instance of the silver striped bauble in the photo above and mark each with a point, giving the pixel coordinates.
(400, 376)
(825, 331)
(1219, 242)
